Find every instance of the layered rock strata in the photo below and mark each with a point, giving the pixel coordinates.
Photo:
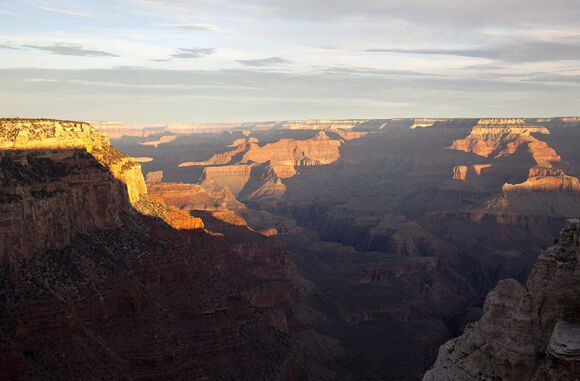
(27, 146)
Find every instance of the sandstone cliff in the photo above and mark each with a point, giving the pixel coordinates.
(72, 191)
(528, 332)
(497, 138)
(254, 171)
(319, 150)
(509, 145)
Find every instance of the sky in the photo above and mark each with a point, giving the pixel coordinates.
(164, 61)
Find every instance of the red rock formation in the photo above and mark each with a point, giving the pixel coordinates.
(318, 151)
(497, 138)
(162, 140)
(347, 135)
(57, 140)
(462, 172)
(235, 177)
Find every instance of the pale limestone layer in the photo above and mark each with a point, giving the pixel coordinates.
(528, 332)
(61, 135)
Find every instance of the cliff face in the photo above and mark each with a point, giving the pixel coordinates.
(320, 150)
(100, 281)
(45, 203)
(497, 138)
(254, 171)
(528, 332)
(509, 145)
(61, 178)
(43, 135)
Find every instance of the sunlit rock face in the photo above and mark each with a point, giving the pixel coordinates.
(528, 332)
(58, 135)
(54, 192)
(547, 190)
(255, 171)
(502, 137)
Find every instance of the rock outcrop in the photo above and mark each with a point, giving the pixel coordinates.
(254, 171)
(502, 137)
(49, 139)
(528, 332)
(320, 150)
(219, 208)
(511, 143)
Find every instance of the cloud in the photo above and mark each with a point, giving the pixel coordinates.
(448, 52)
(71, 50)
(441, 12)
(193, 27)
(513, 51)
(264, 61)
(251, 94)
(63, 11)
(6, 13)
(4, 46)
(193, 53)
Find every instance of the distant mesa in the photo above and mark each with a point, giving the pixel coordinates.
(252, 170)
(154, 177)
(162, 140)
(500, 137)
(547, 190)
(462, 172)
(423, 123)
(143, 159)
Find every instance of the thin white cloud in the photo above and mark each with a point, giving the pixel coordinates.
(264, 61)
(193, 53)
(70, 50)
(193, 27)
(6, 13)
(65, 12)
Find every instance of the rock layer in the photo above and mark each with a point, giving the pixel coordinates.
(69, 189)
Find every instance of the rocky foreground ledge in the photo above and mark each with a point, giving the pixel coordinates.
(528, 332)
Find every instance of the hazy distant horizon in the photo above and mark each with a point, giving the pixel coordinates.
(239, 122)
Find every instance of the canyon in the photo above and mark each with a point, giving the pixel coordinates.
(401, 226)
(316, 250)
